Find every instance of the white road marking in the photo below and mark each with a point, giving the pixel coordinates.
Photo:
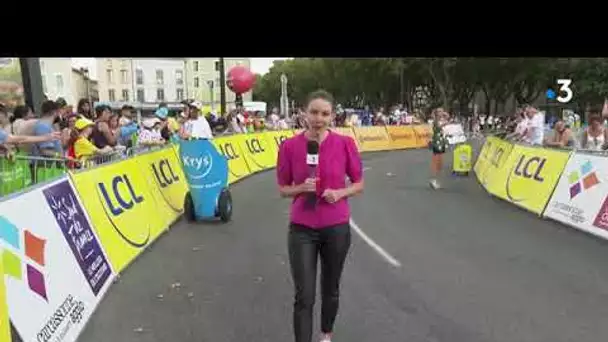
(366, 168)
(389, 258)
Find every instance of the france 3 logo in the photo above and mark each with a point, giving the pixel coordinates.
(565, 93)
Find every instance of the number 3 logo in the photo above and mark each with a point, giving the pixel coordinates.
(565, 88)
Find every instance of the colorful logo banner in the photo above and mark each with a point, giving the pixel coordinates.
(50, 294)
(580, 198)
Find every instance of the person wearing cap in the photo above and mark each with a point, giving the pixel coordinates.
(150, 134)
(196, 126)
(81, 147)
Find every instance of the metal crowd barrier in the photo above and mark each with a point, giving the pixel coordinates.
(19, 172)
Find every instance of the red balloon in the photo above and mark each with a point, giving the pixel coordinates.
(240, 79)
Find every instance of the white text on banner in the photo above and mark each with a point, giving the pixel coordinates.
(581, 196)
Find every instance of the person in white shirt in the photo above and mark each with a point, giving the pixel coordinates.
(520, 129)
(196, 126)
(150, 134)
(595, 136)
(535, 131)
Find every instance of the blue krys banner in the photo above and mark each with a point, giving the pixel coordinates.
(206, 171)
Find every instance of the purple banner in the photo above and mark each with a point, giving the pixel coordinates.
(78, 233)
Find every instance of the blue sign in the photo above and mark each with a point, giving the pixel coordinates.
(206, 171)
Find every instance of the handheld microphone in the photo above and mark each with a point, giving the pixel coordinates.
(312, 160)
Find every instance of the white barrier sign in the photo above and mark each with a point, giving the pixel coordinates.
(455, 133)
(54, 268)
(581, 196)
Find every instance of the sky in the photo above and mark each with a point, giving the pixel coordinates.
(258, 65)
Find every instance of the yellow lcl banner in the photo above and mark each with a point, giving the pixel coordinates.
(163, 172)
(373, 138)
(528, 176)
(123, 211)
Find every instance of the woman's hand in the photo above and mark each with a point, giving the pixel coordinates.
(309, 185)
(332, 195)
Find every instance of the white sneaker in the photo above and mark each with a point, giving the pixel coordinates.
(434, 184)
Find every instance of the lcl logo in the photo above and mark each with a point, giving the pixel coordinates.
(530, 168)
(254, 146)
(124, 203)
(280, 139)
(164, 173)
(496, 156)
(228, 151)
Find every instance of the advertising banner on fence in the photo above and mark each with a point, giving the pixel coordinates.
(276, 138)
(121, 207)
(348, 131)
(55, 270)
(481, 161)
(528, 177)
(165, 178)
(372, 138)
(231, 149)
(401, 137)
(258, 151)
(5, 325)
(495, 156)
(581, 196)
(423, 135)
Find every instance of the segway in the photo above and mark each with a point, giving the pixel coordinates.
(206, 172)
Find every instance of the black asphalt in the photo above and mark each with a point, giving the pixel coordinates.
(473, 268)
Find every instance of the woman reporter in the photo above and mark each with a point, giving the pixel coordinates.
(320, 214)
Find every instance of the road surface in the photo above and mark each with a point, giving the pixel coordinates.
(472, 268)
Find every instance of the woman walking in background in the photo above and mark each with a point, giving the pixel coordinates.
(439, 144)
(320, 215)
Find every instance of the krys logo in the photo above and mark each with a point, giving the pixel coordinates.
(165, 177)
(118, 199)
(23, 256)
(526, 168)
(198, 167)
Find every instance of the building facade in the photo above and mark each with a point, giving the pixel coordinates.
(57, 79)
(115, 79)
(83, 87)
(153, 80)
(203, 79)
(159, 80)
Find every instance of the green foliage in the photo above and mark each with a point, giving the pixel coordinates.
(449, 82)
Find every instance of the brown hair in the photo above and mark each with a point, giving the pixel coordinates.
(595, 117)
(74, 134)
(320, 94)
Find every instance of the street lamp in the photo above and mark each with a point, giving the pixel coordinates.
(85, 74)
(284, 98)
(211, 94)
